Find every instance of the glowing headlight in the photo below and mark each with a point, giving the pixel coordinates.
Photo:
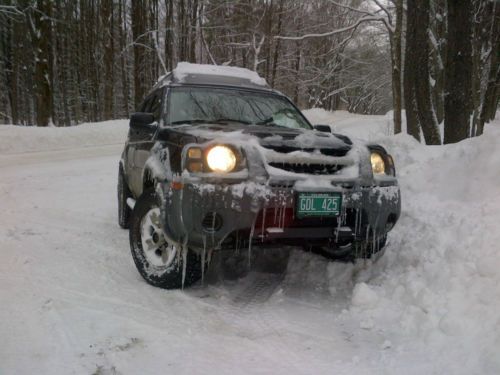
(221, 159)
(378, 164)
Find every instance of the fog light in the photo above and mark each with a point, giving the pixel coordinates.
(212, 222)
(195, 166)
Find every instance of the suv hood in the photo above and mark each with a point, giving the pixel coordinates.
(279, 139)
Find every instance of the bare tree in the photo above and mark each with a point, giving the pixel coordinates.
(425, 110)
(458, 86)
(40, 27)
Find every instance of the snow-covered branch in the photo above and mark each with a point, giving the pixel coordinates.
(333, 32)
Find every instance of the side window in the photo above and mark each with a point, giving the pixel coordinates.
(156, 101)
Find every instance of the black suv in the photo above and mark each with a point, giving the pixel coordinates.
(215, 159)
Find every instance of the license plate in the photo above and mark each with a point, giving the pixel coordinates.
(318, 204)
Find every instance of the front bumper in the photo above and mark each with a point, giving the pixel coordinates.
(204, 215)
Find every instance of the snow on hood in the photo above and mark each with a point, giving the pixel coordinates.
(265, 135)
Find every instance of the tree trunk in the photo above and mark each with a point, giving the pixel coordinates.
(107, 16)
(40, 26)
(437, 35)
(138, 30)
(412, 124)
(192, 31)
(396, 66)
(16, 64)
(298, 56)
(278, 44)
(458, 85)
(122, 21)
(425, 110)
(170, 55)
(490, 78)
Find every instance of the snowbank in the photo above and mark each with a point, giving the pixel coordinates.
(439, 283)
(17, 139)
(365, 127)
(436, 293)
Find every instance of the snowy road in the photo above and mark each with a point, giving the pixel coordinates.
(72, 302)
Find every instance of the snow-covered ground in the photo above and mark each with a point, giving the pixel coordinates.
(71, 301)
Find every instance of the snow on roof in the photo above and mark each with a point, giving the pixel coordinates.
(185, 69)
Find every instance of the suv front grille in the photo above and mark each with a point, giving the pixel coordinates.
(284, 149)
(314, 169)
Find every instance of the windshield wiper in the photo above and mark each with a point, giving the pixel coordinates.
(269, 123)
(192, 121)
(266, 121)
(230, 120)
(207, 121)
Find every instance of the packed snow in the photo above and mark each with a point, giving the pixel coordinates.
(185, 69)
(72, 302)
(23, 139)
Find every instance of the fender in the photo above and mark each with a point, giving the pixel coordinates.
(158, 174)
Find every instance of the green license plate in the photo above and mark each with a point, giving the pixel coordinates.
(318, 204)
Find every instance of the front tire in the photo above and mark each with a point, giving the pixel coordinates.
(160, 261)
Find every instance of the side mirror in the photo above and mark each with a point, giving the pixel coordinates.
(323, 128)
(142, 120)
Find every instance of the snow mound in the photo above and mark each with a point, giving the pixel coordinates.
(435, 295)
(17, 139)
(364, 127)
(185, 69)
(439, 283)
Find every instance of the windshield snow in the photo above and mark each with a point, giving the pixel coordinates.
(191, 105)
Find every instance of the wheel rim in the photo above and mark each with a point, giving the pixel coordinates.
(158, 250)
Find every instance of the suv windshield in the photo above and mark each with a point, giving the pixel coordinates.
(190, 105)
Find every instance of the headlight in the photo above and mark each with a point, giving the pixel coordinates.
(221, 159)
(378, 164)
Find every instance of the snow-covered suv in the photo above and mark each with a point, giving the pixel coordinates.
(215, 159)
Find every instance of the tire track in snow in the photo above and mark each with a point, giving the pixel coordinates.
(247, 313)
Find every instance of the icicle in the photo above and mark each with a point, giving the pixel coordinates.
(237, 243)
(284, 214)
(263, 223)
(213, 220)
(184, 262)
(178, 260)
(250, 245)
(357, 222)
(275, 214)
(339, 221)
(210, 253)
(375, 245)
(213, 229)
(203, 254)
(279, 214)
(367, 238)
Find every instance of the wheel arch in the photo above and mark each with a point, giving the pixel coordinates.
(156, 169)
